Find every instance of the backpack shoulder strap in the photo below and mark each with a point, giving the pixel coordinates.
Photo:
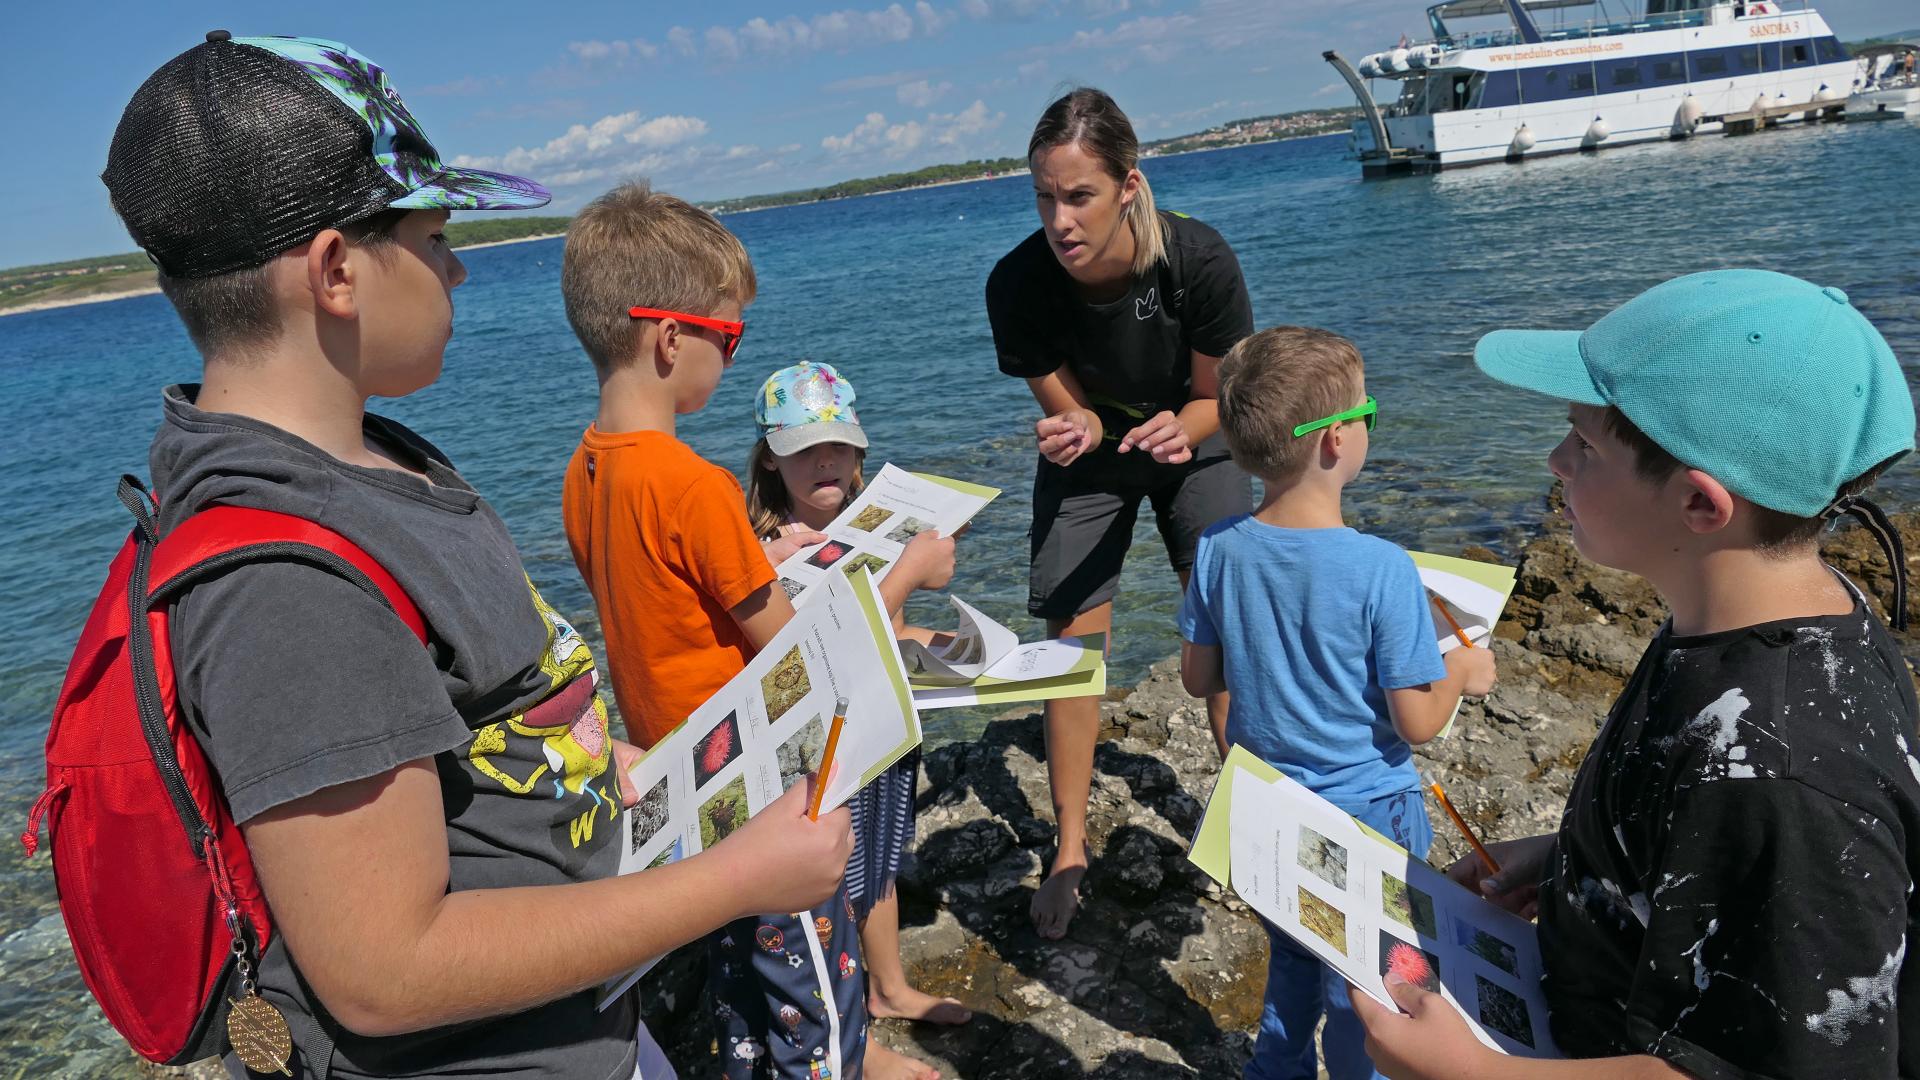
(222, 536)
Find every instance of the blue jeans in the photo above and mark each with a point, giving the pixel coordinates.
(1300, 989)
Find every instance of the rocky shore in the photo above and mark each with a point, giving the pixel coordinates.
(1162, 972)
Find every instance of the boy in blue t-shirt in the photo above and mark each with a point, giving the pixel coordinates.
(1322, 635)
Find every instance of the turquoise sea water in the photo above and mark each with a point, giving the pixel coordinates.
(888, 288)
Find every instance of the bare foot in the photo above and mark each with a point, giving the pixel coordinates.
(885, 1064)
(1057, 900)
(912, 1004)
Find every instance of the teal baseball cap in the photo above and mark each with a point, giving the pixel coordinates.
(1776, 387)
(804, 405)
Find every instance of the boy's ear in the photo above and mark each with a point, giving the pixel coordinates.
(666, 346)
(330, 274)
(1706, 504)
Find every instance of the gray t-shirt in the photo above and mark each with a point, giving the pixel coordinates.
(295, 681)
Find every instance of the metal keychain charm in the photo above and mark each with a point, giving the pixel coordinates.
(255, 1029)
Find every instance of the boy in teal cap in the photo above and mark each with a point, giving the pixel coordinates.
(1731, 889)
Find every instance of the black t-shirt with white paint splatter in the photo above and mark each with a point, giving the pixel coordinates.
(1732, 888)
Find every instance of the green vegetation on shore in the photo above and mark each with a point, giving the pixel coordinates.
(874, 185)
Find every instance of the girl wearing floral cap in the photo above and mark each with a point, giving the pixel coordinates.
(804, 470)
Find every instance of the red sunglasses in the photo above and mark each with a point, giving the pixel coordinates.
(730, 332)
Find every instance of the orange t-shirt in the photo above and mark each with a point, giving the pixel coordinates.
(661, 536)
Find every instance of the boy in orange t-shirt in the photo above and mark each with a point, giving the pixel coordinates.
(654, 288)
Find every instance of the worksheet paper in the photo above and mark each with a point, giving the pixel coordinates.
(1474, 593)
(894, 507)
(1365, 906)
(984, 663)
(766, 729)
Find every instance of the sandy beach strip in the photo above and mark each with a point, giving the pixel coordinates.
(75, 301)
(149, 290)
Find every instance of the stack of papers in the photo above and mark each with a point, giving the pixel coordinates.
(985, 663)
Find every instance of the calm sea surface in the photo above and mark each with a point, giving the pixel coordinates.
(888, 289)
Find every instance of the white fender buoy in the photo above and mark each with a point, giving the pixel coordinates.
(1522, 141)
(1369, 67)
(1760, 104)
(1687, 117)
(1827, 94)
(1395, 60)
(1597, 133)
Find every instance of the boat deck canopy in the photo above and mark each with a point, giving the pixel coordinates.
(1889, 48)
(1467, 9)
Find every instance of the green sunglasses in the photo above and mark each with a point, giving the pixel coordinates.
(1369, 409)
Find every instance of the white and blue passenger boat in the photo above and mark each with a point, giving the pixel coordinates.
(1525, 89)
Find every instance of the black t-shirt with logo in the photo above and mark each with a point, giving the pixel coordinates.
(1732, 887)
(1133, 355)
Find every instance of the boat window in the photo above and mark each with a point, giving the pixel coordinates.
(1710, 64)
(1580, 81)
(1413, 97)
(1502, 89)
(1668, 71)
(1799, 55)
(1626, 75)
(1829, 50)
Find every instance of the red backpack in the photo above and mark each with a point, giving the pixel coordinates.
(155, 883)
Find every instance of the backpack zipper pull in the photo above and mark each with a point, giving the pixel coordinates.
(31, 838)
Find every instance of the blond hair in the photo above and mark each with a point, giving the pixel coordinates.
(1275, 381)
(636, 247)
(1093, 120)
(769, 504)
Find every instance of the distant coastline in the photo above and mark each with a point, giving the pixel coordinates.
(119, 277)
(149, 290)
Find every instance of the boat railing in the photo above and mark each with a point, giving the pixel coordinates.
(1508, 36)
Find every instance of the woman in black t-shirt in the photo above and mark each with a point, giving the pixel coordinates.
(1116, 315)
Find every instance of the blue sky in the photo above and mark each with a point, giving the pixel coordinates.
(713, 99)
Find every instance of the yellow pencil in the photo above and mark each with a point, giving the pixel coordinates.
(1451, 621)
(1479, 848)
(826, 759)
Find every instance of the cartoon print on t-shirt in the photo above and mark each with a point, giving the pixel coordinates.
(559, 747)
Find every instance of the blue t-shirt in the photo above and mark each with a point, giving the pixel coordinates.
(1314, 626)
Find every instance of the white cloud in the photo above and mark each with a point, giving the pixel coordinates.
(1033, 69)
(873, 82)
(976, 9)
(932, 20)
(613, 52)
(586, 144)
(876, 137)
(921, 93)
(1330, 89)
(864, 135)
(832, 31)
(954, 128)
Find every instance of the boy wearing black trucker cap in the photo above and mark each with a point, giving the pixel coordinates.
(422, 821)
(1730, 893)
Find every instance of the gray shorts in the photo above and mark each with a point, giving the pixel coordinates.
(1083, 517)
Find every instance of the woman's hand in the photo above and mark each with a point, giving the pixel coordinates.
(1164, 436)
(1523, 865)
(1067, 435)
